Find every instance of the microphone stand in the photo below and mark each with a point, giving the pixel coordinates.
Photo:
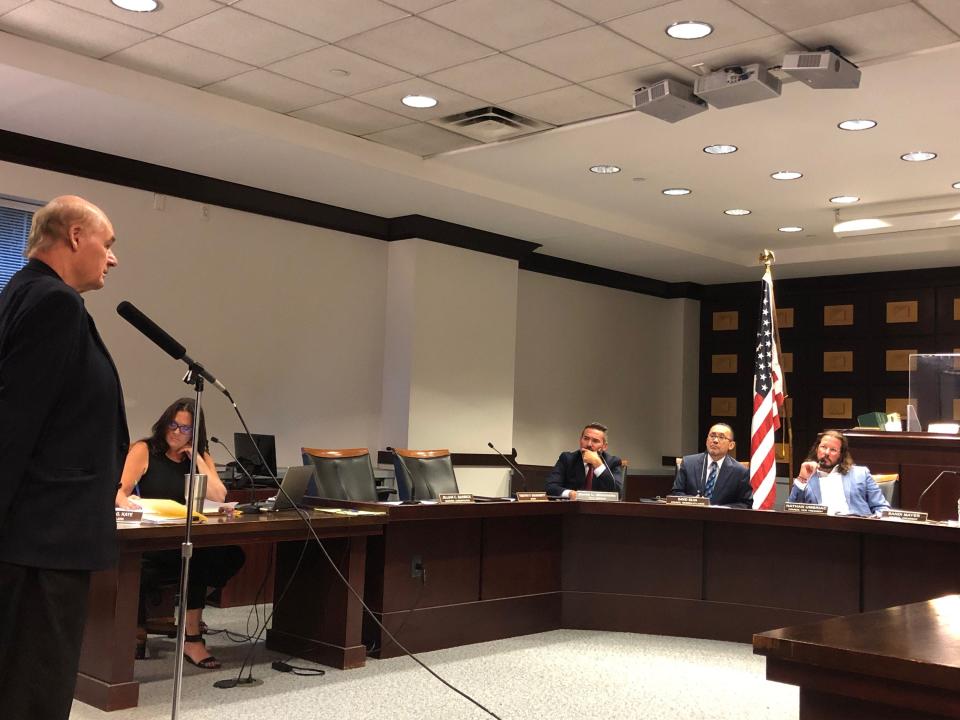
(523, 480)
(195, 378)
(253, 490)
(920, 499)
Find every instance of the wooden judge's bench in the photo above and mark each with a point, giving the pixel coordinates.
(918, 458)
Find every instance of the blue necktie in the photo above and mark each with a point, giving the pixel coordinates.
(711, 480)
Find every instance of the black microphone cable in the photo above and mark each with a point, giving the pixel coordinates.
(253, 489)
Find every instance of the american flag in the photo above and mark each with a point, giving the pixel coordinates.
(767, 401)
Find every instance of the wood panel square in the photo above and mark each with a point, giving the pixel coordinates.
(724, 363)
(727, 320)
(898, 405)
(723, 406)
(783, 451)
(838, 408)
(956, 409)
(838, 361)
(784, 317)
(837, 315)
(899, 360)
(903, 311)
(956, 308)
(786, 362)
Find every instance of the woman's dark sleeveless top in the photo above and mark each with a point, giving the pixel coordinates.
(164, 478)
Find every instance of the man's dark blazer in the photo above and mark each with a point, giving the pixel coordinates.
(63, 431)
(569, 474)
(732, 487)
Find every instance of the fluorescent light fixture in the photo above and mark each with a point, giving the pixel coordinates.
(676, 191)
(956, 186)
(844, 199)
(918, 156)
(137, 5)
(857, 124)
(419, 101)
(860, 226)
(689, 29)
(791, 228)
(737, 212)
(720, 149)
(786, 175)
(604, 169)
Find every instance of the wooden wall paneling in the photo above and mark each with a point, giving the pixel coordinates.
(860, 305)
(835, 354)
(890, 307)
(948, 310)
(900, 570)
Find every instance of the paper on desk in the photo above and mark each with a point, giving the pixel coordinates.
(161, 508)
(349, 511)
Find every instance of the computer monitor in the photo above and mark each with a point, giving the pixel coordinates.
(245, 447)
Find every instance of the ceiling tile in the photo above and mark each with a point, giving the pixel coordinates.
(330, 20)
(621, 86)
(884, 33)
(175, 61)
(603, 10)
(243, 37)
(421, 139)
(271, 91)
(498, 23)
(417, 46)
(417, 6)
(324, 66)
(497, 78)
(7, 5)
(586, 54)
(566, 105)
(170, 15)
(946, 11)
(786, 16)
(350, 116)
(70, 29)
(450, 101)
(768, 51)
(731, 26)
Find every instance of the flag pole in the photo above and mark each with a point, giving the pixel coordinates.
(768, 259)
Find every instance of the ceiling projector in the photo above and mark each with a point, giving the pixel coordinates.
(668, 100)
(737, 86)
(823, 69)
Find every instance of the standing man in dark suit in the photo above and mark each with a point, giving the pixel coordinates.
(589, 468)
(63, 437)
(715, 474)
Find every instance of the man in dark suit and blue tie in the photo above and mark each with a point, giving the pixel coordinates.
(589, 468)
(715, 474)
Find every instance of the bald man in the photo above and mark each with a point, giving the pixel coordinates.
(63, 438)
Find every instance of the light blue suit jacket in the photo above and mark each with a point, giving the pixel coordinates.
(864, 496)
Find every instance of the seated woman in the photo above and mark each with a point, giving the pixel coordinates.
(157, 465)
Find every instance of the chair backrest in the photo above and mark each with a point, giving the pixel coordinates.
(431, 473)
(890, 487)
(343, 474)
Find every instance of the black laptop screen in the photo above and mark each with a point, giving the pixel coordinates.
(246, 452)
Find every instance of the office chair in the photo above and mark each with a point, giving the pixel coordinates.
(345, 474)
(432, 472)
(890, 487)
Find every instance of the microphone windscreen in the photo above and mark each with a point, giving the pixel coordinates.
(148, 327)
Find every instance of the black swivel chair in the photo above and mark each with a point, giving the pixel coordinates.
(345, 474)
(431, 471)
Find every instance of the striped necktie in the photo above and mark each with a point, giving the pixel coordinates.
(711, 480)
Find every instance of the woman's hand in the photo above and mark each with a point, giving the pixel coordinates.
(127, 502)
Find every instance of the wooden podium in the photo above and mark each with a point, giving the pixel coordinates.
(918, 458)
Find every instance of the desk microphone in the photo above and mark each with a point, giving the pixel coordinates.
(253, 491)
(523, 480)
(412, 500)
(945, 472)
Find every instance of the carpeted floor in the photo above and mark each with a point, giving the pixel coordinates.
(561, 675)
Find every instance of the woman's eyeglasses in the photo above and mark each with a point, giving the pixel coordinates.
(184, 429)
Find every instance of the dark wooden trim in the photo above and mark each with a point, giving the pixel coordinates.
(385, 457)
(448, 233)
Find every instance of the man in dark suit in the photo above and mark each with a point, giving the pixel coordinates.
(63, 437)
(589, 468)
(715, 474)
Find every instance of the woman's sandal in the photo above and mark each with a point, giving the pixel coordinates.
(208, 663)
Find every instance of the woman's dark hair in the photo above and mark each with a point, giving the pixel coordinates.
(157, 442)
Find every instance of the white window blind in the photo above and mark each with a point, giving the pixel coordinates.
(15, 216)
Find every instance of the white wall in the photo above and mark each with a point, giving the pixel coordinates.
(586, 353)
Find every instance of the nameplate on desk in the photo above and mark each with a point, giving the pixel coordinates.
(532, 497)
(124, 515)
(687, 500)
(808, 508)
(904, 515)
(455, 498)
(598, 496)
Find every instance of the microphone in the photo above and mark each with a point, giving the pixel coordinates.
(253, 490)
(920, 499)
(129, 312)
(413, 500)
(523, 480)
(613, 477)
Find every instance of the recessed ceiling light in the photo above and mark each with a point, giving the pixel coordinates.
(857, 124)
(918, 156)
(720, 149)
(791, 228)
(419, 101)
(956, 186)
(676, 191)
(137, 5)
(844, 199)
(786, 175)
(736, 211)
(604, 169)
(689, 30)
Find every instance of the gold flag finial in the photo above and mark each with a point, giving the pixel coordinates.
(767, 258)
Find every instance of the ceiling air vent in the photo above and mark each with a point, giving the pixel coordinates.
(489, 124)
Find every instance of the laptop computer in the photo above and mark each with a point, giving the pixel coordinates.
(296, 481)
